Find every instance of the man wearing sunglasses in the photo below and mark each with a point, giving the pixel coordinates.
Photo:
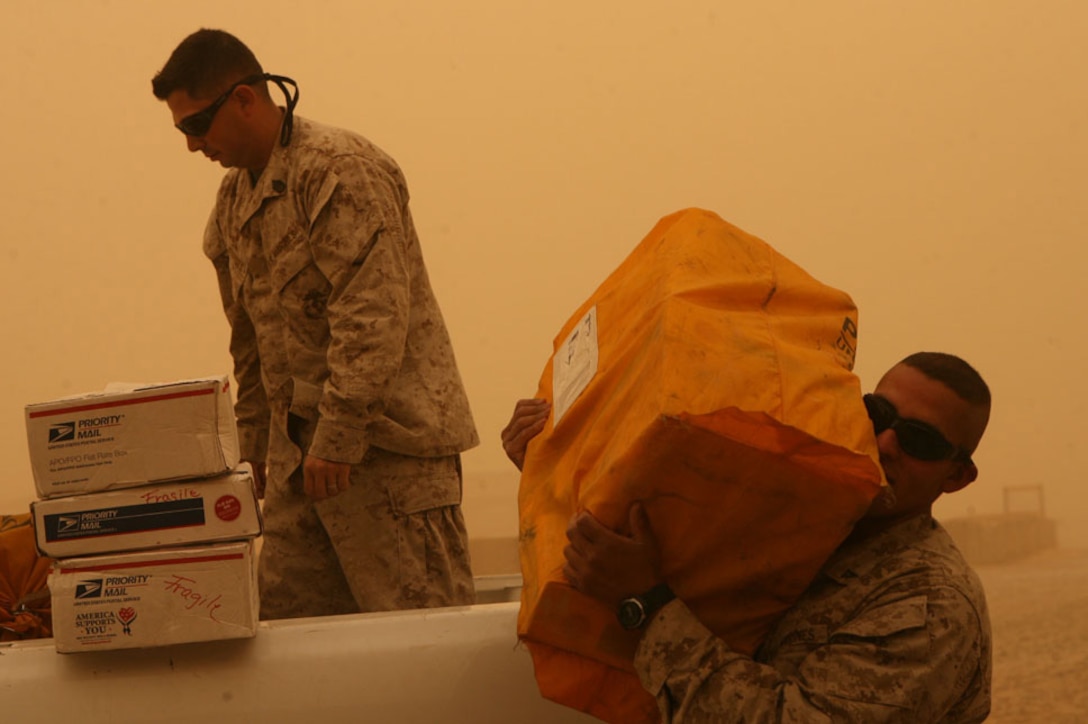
(349, 396)
(894, 628)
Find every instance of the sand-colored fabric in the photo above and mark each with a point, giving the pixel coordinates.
(25, 608)
(724, 400)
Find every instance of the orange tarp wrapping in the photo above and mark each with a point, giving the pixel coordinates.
(25, 610)
(710, 378)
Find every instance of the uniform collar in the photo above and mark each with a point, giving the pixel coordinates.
(273, 179)
(858, 559)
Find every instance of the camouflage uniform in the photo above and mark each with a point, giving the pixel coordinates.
(894, 629)
(340, 351)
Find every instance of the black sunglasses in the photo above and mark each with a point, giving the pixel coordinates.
(916, 438)
(198, 124)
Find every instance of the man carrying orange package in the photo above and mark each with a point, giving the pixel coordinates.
(894, 627)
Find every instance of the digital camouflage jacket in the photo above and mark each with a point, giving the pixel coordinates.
(331, 310)
(894, 629)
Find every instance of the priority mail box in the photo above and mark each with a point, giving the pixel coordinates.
(130, 435)
(202, 510)
(155, 598)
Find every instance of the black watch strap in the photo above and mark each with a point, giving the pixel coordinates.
(635, 611)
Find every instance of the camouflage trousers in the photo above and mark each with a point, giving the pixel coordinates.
(395, 539)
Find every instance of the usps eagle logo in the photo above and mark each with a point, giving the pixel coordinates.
(89, 589)
(62, 431)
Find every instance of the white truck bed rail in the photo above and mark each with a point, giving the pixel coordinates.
(440, 665)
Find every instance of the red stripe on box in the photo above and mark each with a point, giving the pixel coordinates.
(121, 403)
(148, 564)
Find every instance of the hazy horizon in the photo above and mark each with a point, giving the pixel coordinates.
(928, 159)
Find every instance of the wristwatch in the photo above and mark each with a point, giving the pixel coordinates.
(635, 611)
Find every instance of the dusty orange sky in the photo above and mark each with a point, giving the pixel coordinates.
(928, 158)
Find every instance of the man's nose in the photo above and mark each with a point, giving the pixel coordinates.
(195, 143)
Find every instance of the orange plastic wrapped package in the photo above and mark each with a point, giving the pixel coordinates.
(709, 378)
(25, 607)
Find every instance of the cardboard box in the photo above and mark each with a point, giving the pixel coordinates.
(203, 510)
(131, 435)
(155, 598)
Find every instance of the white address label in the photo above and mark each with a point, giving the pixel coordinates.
(574, 364)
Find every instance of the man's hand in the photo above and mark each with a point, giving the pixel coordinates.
(324, 478)
(525, 424)
(608, 566)
(260, 477)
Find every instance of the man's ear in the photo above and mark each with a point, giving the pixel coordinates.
(247, 97)
(963, 475)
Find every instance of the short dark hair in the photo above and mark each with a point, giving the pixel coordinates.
(954, 373)
(204, 63)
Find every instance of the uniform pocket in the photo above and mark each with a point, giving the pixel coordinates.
(412, 484)
(302, 289)
(876, 656)
(888, 620)
(408, 497)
